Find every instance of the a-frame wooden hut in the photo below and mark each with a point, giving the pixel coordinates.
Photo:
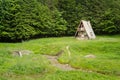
(85, 31)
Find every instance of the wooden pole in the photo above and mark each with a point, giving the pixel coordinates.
(69, 54)
(20, 54)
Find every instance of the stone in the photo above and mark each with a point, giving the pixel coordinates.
(90, 56)
(21, 52)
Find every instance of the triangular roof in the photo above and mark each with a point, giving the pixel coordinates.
(88, 28)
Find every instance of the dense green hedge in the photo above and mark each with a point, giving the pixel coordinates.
(25, 19)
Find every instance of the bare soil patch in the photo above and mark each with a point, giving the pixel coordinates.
(53, 60)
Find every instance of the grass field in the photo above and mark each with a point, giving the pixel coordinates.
(106, 65)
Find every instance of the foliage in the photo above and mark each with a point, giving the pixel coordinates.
(24, 19)
(110, 22)
(93, 10)
(68, 7)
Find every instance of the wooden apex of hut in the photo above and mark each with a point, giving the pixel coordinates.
(85, 31)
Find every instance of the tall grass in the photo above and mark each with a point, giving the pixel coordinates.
(36, 66)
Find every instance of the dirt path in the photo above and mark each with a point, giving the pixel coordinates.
(53, 60)
(66, 67)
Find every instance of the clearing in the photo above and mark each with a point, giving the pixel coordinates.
(88, 59)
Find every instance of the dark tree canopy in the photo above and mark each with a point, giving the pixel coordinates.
(25, 19)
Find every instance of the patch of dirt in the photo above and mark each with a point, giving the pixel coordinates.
(53, 60)
(66, 67)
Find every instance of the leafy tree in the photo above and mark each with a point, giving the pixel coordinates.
(110, 22)
(93, 10)
(68, 8)
(15, 27)
(23, 19)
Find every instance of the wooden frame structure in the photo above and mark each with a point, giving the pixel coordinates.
(85, 31)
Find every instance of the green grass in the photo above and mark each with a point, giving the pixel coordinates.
(37, 67)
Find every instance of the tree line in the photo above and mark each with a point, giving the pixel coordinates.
(25, 19)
